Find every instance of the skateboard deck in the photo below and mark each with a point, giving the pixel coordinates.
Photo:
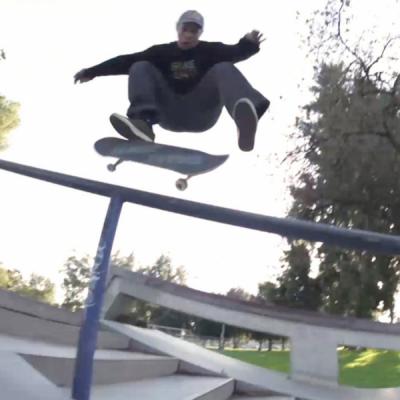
(185, 161)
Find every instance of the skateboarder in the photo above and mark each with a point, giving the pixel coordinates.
(183, 85)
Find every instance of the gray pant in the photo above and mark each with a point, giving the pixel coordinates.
(196, 111)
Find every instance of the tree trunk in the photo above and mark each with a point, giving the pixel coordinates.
(269, 344)
(391, 314)
(221, 345)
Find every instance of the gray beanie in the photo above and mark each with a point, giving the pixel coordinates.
(190, 16)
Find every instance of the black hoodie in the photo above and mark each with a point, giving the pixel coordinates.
(182, 69)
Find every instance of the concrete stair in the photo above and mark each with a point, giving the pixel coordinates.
(109, 368)
(56, 362)
(35, 370)
(176, 387)
(236, 397)
(38, 350)
(20, 381)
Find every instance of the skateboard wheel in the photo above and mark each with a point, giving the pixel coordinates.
(111, 167)
(181, 184)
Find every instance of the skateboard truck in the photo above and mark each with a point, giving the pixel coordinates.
(112, 167)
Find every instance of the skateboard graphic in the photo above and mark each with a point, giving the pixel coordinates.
(185, 161)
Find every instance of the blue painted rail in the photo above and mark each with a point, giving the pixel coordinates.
(287, 227)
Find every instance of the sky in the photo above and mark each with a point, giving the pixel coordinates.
(46, 43)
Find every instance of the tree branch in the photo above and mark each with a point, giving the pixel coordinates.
(347, 47)
(390, 40)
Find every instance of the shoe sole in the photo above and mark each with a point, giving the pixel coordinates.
(246, 119)
(126, 129)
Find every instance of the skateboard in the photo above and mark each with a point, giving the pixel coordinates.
(185, 161)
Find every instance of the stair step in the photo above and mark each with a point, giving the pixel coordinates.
(56, 362)
(176, 387)
(274, 397)
(106, 370)
(19, 381)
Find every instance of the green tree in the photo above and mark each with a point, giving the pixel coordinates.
(77, 272)
(232, 332)
(262, 337)
(344, 180)
(9, 119)
(39, 288)
(10, 279)
(347, 184)
(121, 261)
(295, 287)
(207, 328)
(36, 287)
(163, 269)
(9, 114)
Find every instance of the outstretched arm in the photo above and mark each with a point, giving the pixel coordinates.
(248, 45)
(115, 66)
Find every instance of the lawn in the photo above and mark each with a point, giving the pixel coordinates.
(367, 369)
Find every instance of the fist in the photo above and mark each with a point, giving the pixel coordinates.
(82, 77)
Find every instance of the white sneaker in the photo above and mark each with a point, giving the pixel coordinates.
(246, 119)
(132, 128)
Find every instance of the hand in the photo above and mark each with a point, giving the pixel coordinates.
(81, 77)
(255, 37)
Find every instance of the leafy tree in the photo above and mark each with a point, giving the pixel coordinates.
(9, 117)
(39, 288)
(36, 287)
(120, 261)
(10, 279)
(77, 272)
(262, 337)
(207, 328)
(163, 269)
(295, 287)
(237, 334)
(353, 119)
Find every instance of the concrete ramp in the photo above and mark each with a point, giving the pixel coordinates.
(197, 359)
(20, 381)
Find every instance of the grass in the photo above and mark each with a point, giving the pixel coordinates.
(276, 360)
(366, 369)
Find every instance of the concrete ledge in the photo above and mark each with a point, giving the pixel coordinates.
(25, 305)
(23, 317)
(314, 337)
(258, 308)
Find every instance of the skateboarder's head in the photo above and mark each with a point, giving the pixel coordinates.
(190, 27)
